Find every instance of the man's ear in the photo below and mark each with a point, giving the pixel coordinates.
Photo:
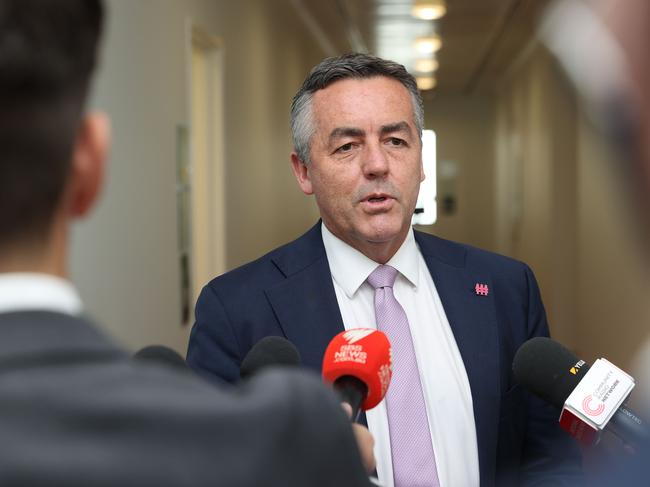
(88, 163)
(301, 171)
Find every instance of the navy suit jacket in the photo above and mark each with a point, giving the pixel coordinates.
(289, 292)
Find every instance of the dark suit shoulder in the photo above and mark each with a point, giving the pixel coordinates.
(464, 255)
(274, 266)
(110, 422)
(84, 413)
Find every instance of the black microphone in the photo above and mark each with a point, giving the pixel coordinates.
(590, 402)
(161, 354)
(269, 351)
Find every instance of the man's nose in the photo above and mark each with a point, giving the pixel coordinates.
(375, 161)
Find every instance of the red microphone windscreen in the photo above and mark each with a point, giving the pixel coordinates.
(363, 353)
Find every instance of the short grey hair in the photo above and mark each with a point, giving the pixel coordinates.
(332, 69)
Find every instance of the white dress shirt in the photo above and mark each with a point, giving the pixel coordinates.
(446, 389)
(30, 291)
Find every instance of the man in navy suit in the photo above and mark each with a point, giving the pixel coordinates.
(356, 125)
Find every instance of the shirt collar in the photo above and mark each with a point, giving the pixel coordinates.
(350, 268)
(26, 291)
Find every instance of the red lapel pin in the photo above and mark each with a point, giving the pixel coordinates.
(481, 289)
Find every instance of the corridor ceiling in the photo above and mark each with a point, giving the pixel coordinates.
(481, 39)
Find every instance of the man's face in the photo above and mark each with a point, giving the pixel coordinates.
(366, 166)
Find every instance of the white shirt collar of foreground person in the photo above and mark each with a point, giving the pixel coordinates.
(447, 393)
(31, 291)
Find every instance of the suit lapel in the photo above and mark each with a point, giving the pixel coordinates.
(473, 322)
(306, 307)
(305, 302)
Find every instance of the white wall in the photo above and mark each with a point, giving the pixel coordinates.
(124, 259)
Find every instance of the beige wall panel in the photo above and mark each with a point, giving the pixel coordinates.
(465, 133)
(125, 259)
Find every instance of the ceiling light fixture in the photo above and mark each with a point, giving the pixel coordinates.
(429, 9)
(426, 65)
(426, 82)
(428, 44)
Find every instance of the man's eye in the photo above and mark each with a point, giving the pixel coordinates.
(345, 147)
(396, 142)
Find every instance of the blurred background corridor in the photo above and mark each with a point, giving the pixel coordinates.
(199, 180)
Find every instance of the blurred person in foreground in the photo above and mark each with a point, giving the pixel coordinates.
(74, 408)
(603, 47)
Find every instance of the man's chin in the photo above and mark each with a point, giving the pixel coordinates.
(384, 234)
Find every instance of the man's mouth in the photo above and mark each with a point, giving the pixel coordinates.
(377, 203)
(377, 197)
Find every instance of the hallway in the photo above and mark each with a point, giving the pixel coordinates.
(524, 172)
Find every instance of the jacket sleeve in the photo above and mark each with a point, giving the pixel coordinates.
(213, 350)
(550, 456)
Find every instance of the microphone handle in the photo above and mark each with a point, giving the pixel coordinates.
(629, 428)
(352, 391)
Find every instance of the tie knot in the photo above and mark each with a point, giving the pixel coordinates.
(382, 276)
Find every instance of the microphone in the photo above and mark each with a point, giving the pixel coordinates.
(269, 351)
(161, 354)
(591, 398)
(358, 364)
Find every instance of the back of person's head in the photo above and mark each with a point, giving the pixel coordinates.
(48, 51)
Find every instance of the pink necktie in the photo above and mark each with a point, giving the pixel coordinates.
(414, 463)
